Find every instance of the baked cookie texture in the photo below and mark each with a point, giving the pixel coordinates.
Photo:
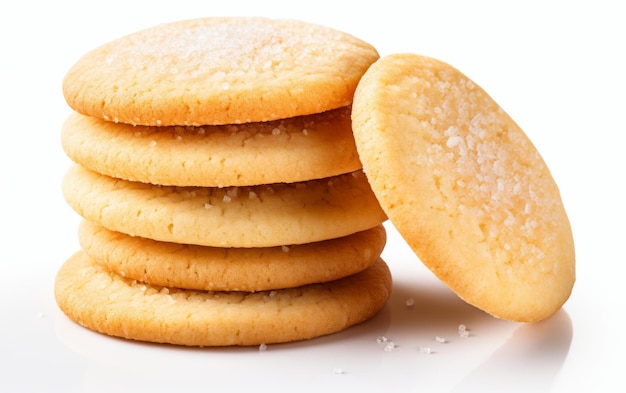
(260, 216)
(281, 151)
(230, 269)
(223, 196)
(218, 71)
(111, 304)
(464, 186)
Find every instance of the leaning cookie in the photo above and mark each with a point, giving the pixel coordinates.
(256, 216)
(231, 269)
(218, 71)
(465, 187)
(281, 151)
(110, 304)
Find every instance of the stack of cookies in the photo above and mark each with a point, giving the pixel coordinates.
(223, 198)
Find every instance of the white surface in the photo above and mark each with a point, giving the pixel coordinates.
(556, 67)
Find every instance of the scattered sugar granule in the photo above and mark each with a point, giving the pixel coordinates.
(252, 195)
(272, 293)
(208, 206)
(338, 371)
(440, 339)
(276, 131)
(179, 138)
(227, 199)
(153, 143)
(463, 332)
(426, 350)
(285, 248)
(262, 347)
(388, 344)
(410, 303)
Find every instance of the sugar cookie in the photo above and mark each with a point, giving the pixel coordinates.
(110, 304)
(465, 187)
(218, 71)
(231, 269)
(282, 151)
(259, 216)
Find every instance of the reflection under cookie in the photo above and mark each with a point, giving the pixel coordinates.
(528, 361)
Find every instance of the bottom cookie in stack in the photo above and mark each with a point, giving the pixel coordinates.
(109, 303)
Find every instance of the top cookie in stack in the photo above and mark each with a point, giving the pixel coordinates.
(219, 71)
(220, 134)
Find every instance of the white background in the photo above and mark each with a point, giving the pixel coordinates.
(557, 67)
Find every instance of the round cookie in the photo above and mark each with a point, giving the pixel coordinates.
(110, 304)
(230, 269)
(256, 216)
(218, 71)
(281, 151)
(465, 187)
